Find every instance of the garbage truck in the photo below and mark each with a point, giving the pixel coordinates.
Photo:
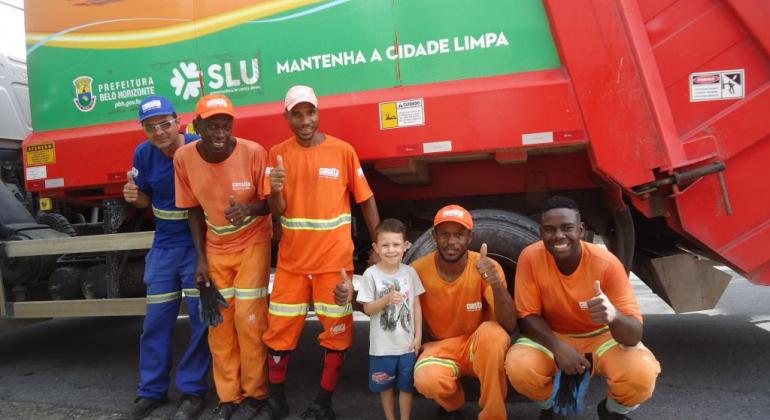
(654, 115)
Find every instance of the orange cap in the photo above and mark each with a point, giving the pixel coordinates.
(214, 105)
(454, 213)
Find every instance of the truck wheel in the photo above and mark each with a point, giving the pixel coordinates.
(505, 233)
(57, 222)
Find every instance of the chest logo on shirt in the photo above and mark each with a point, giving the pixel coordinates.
(134, 172)
(473, 307)
(241, 185)
(329, 173)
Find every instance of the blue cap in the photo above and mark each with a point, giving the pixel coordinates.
(153, 106)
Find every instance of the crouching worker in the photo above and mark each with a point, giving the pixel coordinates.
(465, 293)
(574, 298)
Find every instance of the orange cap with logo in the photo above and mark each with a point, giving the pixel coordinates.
(454, 213)
(214, 104)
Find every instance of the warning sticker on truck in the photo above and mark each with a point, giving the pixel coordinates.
(717, 85)
(41, 154)
(399, 114)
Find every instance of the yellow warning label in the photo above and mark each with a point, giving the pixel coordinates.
(388, 115)
(41, 154)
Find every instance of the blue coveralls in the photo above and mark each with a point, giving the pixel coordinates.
(169, 273)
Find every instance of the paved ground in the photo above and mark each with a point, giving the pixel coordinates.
(716, 365)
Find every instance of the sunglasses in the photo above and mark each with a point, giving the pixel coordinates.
(165, 125)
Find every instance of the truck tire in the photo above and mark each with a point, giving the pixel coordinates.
(505, 233)
(56, 222)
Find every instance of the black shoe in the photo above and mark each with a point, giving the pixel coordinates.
(224, 411)
(248, 409)
(605, 414)
(547, 414)
(190, 408)
(318, 411)
(450, 415)
(143, 407)
(275, 409)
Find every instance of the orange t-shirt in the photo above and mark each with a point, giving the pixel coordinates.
(541, 289)
(456, 308)
(210, 185)
(316, 234)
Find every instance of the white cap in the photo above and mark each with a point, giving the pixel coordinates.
(298, 94)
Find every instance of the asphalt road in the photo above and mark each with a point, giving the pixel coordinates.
(716, 365)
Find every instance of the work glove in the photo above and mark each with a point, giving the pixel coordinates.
(569, 391)
(208, 308)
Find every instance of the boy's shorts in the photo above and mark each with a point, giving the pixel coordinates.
(384, 371)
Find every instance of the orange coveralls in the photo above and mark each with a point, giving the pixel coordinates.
(239, 262)
(542, 290)
(457, 315)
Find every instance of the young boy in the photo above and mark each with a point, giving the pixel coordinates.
(389, 294)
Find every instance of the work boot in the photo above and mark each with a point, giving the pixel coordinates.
(248, 409)
(318, 411)
(224, 411)
(275, 409)
(547, 414)
(190, 408)
(143, 406)
(605, 414)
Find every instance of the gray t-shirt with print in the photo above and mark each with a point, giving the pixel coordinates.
(392, 329)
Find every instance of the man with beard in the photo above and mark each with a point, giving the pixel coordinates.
(219, 179)
(573, 298)
(465, 293)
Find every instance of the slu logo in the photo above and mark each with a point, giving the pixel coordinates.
(222, 77)
(84, 93)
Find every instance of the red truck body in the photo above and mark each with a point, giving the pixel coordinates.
(618, 116)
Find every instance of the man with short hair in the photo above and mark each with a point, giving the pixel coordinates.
(312, 176)
(169, 269)
(219, 179)
(468, 315)
(574, 298)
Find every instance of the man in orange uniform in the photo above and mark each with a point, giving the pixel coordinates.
(312, 176)
(219, 179)
(574, 298)
(465, 292)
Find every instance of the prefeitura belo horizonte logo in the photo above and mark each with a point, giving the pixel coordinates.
(84, 93)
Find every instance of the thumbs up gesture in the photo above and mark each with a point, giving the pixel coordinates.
(236, 213)
(278, 175)
(601, 310)
(130, 190)
(394, 297)
(486, 267)
(343, 292)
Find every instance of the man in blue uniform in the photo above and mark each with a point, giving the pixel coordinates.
(169, 270)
